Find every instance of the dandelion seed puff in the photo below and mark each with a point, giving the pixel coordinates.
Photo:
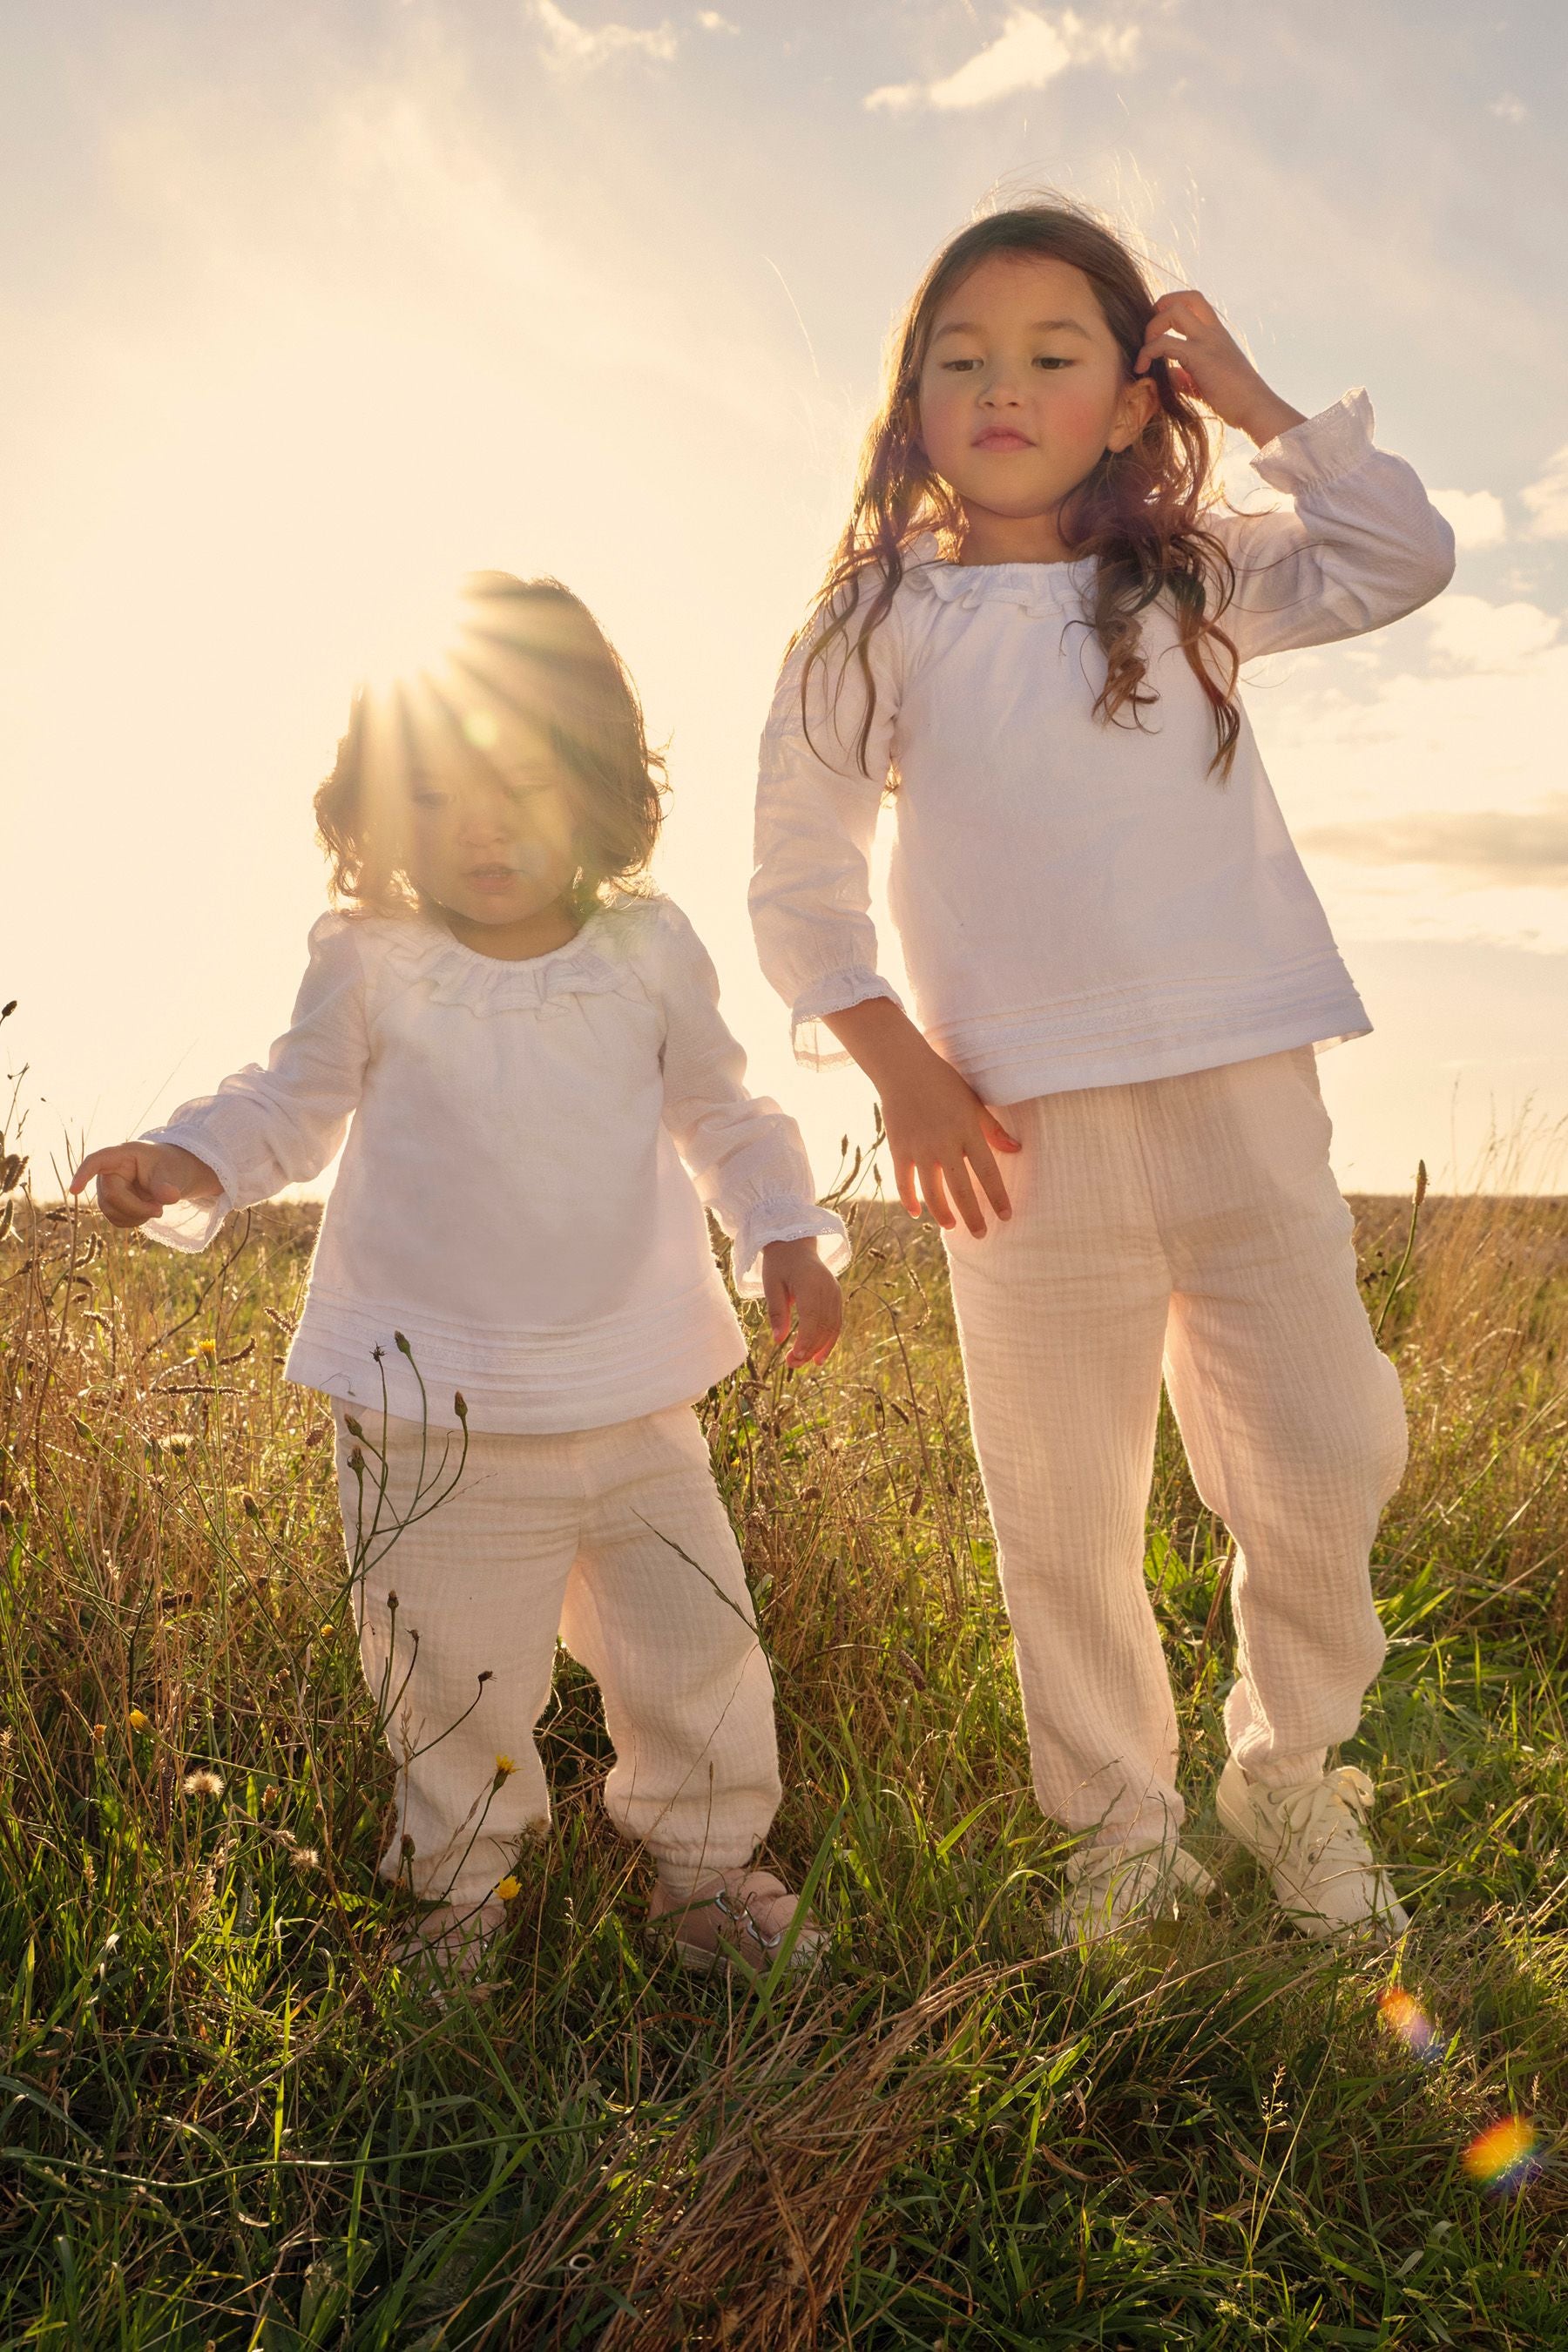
(203, 1783)
(177, 1445)
(305, 1857)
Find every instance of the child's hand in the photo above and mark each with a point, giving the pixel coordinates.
(137, 1181)
(940, 1133)
(795, 1280)
(1206, 360)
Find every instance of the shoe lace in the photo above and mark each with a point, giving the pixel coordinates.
(1331, 1824)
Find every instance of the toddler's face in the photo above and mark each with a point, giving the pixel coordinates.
(1024, 386)
(490, 822)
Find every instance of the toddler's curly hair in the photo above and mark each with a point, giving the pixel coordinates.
(535, 648)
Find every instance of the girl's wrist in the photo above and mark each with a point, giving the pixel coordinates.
(1263, 415)
(880, 1036)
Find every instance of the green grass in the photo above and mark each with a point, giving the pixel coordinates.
(227, 2118)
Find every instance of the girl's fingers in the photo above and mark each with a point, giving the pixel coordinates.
(113, 1160)
(122, 1202)
(996, 1134)
(821, 1312)
(1162, 347)
(964, 1199)
(905, 1183)
(990, 1177)
(776, 1299)
(1188, 300)
(934, 1194)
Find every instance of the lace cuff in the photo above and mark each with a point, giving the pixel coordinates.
(817, 1046)
(785, 1219)
(190, 1225)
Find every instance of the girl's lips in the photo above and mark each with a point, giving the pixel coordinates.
(1000, 437)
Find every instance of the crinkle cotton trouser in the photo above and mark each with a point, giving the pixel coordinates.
(541, 1535)
(1194, 1218)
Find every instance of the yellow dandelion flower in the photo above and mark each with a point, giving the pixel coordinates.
(208, 1347)
(505, 1766)
(99, 1730)
(326, 1633)
(509, 1889)
(136, 1720)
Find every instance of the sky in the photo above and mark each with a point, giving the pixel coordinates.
(308, 309)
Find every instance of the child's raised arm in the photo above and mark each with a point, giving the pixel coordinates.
(1361, 543)
(263, 1128)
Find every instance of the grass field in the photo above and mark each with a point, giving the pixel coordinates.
(229, 2121)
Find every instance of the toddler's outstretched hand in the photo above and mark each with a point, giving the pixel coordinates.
(136, 1180)
(1206, 359)
(796, 1281)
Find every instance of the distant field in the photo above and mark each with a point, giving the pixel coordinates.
(228, 2122)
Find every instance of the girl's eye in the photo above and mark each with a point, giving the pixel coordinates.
(426, 798)
(959, 367)
(1047, 359)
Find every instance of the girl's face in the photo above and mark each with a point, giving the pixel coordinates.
(491, 837)
(1024, 387)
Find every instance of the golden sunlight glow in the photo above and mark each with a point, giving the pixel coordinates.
(405, 627)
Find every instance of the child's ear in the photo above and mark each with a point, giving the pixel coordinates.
(1139, 399)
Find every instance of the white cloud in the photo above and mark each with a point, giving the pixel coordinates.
(1478, 516)
(712, 22)
(572, 44)
(1476, 635)
(1548, 500)
(1509, 109)
(1509, 848)
(1426, 791)
(1030, 51)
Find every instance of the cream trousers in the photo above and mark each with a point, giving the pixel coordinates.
(1194, 1218)
(614, 1539)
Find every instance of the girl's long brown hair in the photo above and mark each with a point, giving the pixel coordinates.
(1138, 514)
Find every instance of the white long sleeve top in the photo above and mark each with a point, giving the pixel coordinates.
(530, 1150)
(1080, 904)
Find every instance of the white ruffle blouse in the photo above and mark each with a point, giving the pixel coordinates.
(532, 1146)
(1080, 904)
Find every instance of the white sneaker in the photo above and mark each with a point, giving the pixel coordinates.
(1311, 1841)
(1111, 1887)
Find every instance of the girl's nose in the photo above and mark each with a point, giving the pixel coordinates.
(999, 390)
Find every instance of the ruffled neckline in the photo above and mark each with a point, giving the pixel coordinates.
(1036, 587)
(425, 953)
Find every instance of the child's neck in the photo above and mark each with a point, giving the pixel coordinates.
(989, 537)
(514, 942)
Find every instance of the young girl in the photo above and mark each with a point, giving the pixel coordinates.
(1031, 631)
(529, 1049)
